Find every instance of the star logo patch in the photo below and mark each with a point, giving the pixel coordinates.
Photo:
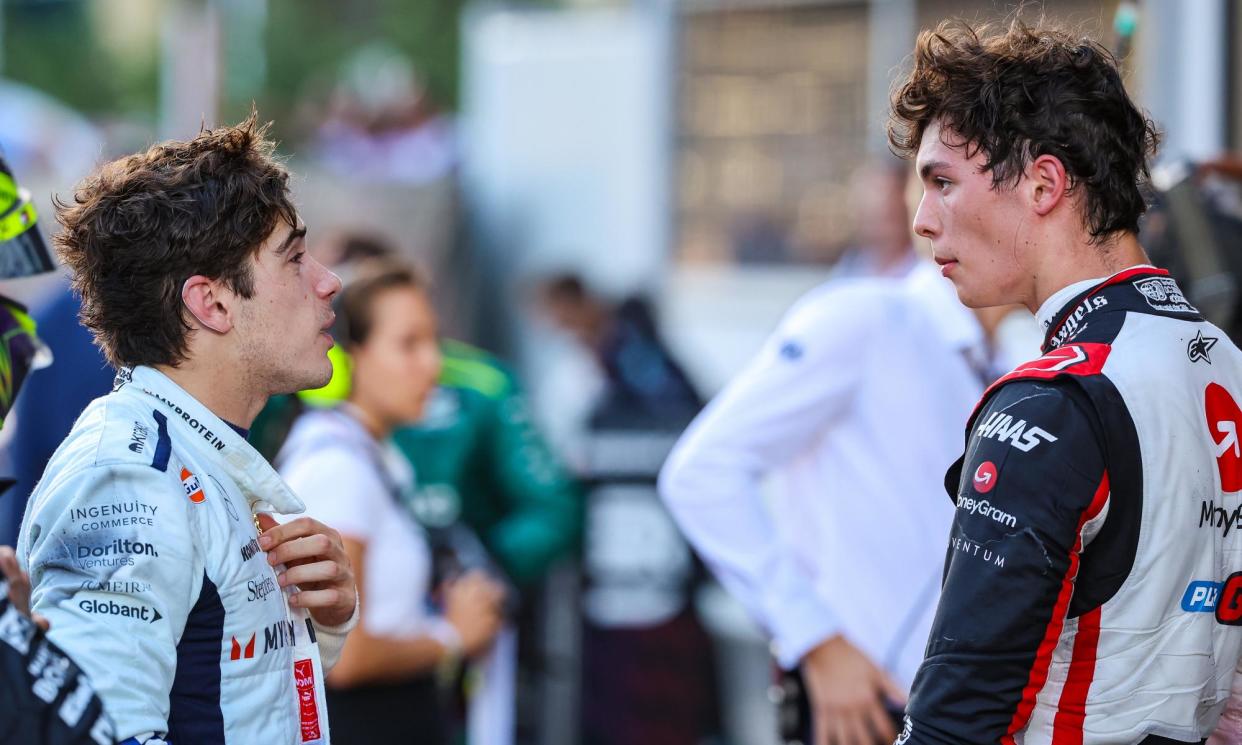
(1199, 347)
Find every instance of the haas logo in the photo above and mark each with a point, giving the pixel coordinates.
(1224, 418)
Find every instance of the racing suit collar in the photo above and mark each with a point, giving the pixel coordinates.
(259, 482)
(1053, 311)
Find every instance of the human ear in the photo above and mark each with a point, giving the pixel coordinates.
(202, 297)
(1047, 182)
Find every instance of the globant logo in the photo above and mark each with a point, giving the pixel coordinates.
(110, 608)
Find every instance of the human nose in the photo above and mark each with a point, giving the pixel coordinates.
(925, 222)
(328, 284)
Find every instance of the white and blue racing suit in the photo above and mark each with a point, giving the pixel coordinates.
(143, 553)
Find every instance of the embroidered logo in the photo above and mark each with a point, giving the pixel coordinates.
(193, 490)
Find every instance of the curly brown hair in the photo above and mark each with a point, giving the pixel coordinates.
(1019, 92)
(140, 226)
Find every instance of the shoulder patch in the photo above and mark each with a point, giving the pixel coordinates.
(1071, 359)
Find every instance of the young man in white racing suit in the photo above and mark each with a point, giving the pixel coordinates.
(1093, 578)
(149, 543)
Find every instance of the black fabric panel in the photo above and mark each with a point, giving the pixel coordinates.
(1033, 466)
(194, 714)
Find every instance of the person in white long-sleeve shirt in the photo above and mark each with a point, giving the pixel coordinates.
(854, 408)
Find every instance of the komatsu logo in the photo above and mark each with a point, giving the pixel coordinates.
(1002, 427)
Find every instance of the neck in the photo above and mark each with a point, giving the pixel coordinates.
(1086, 261)
(236, 402)
(371, 421)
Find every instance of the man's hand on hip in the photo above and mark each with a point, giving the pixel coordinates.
(315, 561)
(847, 691)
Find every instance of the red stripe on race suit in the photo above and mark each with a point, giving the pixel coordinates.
(1072, 709)
(1043, 657)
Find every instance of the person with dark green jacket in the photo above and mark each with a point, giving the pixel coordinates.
(480, 461)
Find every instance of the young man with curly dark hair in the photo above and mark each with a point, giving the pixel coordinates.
(148, 541)
(1092, 589)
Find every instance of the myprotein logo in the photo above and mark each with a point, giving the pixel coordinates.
(983, 508)
(1229, 605)
(1224, 418)
(1004, 428)
(1201, 596)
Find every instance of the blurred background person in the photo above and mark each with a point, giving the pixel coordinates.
(883, 245)
(647, 662)
(828, 411)
(340, 463)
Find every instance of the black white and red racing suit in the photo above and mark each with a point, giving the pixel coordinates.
(1093, 583)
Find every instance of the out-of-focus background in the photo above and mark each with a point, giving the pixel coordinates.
(547, 161)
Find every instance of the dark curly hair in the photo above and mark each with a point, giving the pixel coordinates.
(140, 226)
(1020, 92)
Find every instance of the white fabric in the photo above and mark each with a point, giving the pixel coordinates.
(856, 407)
(331, 462)
(1059, 299)
(147, 509)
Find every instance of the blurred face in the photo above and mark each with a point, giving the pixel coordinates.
(284, 326)
(979, 234)
(396, 367)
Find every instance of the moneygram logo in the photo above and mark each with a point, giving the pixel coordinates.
(983, 508)
(1218, 517)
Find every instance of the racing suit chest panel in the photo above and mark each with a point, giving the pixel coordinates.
(250, 643)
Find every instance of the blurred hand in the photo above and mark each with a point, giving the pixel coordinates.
(847, 691)
(315, 561)
(19, 585)
(472, 604)
(1229, 728)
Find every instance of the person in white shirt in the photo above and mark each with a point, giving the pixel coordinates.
(341, 464)
(854, 408)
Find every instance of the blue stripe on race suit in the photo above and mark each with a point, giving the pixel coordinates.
(195, 714)
(163, 446)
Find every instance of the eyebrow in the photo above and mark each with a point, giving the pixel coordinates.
(290, 239)
(926, 169)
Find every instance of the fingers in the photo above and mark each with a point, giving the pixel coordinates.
(880, 725)
(892, 691)
(275, 534)
(327, 598)
(40, 621)
(302, 548)
(319, 571)
(19, 583)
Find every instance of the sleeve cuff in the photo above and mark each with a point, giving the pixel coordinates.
(798, 628)
(332, 638)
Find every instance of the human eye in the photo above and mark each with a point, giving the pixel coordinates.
(941, 182)
(297, 257)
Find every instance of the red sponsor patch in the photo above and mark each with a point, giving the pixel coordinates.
(304, 677)
(193, 490)
(1229, 606)
(236, 653)
(1224, 420)
(985, 477)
